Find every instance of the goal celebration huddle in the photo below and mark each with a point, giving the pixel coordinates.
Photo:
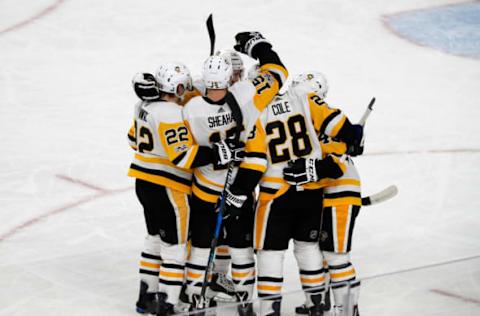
(229, 171)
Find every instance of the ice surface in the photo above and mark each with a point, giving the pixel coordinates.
(70, 227)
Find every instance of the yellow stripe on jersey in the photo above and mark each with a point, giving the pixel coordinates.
(322, 114)
(207, 197)
(159, 160)
(333, 147)
(198, 174)
(253, 166)
(348, 200)
(337, 127)
(161, 180)
(131, 131)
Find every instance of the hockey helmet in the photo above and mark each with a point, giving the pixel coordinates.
(217, 72)
(170, 76)
(308, 82)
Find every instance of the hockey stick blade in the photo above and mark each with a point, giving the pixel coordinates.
(382, 196)
(367, 112)
(211, 34)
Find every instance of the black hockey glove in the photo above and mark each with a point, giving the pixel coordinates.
(356, 148)
(247, 41)
(145, 86)
(226, 151)
(233, 204)
(303, 170)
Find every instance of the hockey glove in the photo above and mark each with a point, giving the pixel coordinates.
(303, 170)
(233, 204)
(246, 42)
(226, 151)
(145, 86)
(300, 171)
(356, 148)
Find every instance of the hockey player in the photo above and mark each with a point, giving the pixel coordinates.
(164, 155)
(227, 111)
(221, 284)
(341, 205)
(285, 131)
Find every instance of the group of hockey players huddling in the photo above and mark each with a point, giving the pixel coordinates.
(293, 180)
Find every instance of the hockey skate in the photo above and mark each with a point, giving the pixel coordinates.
(164, 308)
(304, 310)
(147, 302)
(199, 304)
(221, 288)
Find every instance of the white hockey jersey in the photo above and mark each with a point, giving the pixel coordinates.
(288, 129)
(210, 122)
(159, 136)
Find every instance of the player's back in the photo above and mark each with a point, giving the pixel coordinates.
(289, 135)
(156, 128)
(211, 122)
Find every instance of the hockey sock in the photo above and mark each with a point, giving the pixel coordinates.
(270, 278)
(312, 273)
(243, 271)
(342, 280)
(150, 262)
(222, 260)
(196, 268)
(172, 271)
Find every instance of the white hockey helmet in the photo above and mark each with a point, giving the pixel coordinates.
(217, 72)
(308, 82)
(170, 76)
(234, 56)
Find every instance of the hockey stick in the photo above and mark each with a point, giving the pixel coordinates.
(211, 33)
(379, 197)
(367, 112)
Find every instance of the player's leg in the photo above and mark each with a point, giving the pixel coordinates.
(150, 257)
(307, 205)
(202, 226)
(222, 287)
(272, 232)
(336, 241)
(239, 238)
(174, 212)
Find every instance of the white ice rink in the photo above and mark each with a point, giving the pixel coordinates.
(71, 229)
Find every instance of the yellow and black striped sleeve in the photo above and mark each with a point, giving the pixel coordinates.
(331, 146)
(255, 162)
(273, 75)
(330, 121)
(326, 120)
(180, 146)
(131, 137)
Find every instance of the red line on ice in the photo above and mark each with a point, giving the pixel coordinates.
(33, 18)
(82, 183)
(453, 295)
(63, 208)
